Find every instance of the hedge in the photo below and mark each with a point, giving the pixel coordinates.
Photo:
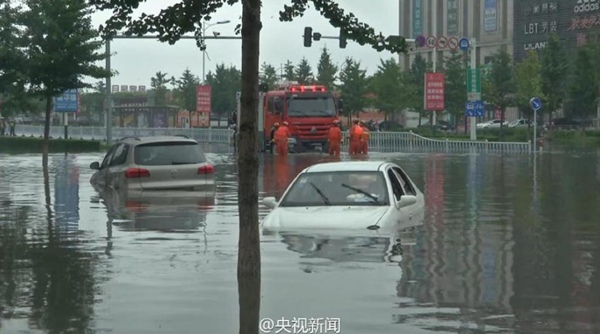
(34, 145)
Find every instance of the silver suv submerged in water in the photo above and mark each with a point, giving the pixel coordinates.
(154, 164)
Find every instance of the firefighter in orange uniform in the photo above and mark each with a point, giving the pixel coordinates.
(282, 134)
(355, 138)
(335, 138)
(366, 136)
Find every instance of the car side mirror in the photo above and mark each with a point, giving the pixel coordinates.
(269, 202)
(407, 200)
(95, 165)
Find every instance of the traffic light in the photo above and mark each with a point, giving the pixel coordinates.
(307, 36)
(343, 41)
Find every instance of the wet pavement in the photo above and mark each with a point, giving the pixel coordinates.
(504, 248)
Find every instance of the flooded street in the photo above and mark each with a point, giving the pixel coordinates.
(504, 248)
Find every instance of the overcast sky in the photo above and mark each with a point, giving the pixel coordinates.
(138, 60)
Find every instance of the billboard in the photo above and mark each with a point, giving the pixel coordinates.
(434, 92)
(417, 18)
(203, 96)
(452, 17)
(575, 22)
(490, 16)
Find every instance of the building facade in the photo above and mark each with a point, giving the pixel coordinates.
(575, 22)
(490, 22)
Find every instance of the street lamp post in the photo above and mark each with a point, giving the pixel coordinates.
(204, 28)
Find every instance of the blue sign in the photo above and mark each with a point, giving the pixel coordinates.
(490, 16)
(475, 109)
(535, 103)
(463, 44)
(67, 102)
(417, 15)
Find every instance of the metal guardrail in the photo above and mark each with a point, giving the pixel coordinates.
(386, 142)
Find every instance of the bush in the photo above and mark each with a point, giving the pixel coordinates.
(577, 137)
(34, 145)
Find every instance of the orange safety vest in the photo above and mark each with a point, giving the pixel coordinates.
(366, 135)
(282, 134)
(335, 134)
(356, 132)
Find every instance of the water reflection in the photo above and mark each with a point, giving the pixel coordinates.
(166, 212)
(66, 193)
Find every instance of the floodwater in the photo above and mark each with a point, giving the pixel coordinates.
(508, 245)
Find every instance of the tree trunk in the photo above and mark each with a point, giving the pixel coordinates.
(46, 141)
(249, 268)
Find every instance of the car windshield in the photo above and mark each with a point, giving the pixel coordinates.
(337, 189)
(168, 153)
(311, 106)
(515, 122)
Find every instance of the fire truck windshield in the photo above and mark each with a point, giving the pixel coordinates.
(311, 106)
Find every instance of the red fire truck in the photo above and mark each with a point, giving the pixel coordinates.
(309, 109)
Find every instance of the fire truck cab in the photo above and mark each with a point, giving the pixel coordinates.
(309, 109)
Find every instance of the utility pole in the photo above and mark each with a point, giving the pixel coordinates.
(108, 92)
(473, 120)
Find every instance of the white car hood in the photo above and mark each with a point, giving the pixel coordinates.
(324, 217)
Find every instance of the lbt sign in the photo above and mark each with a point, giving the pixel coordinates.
(584, 6)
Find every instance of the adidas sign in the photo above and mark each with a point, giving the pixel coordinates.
(584, 6)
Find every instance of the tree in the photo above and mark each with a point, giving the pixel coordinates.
(13, 71)
(326, 70)
(417, 72)
(456, 85)
(583, 89)
(180, 18)
(500, 86)
(159, 83)
(268, 75)
(353, 86)
(528, 82)
(289, 71)
(394, 89)
(224, 83)
(62, 48)
(185, 91)
(304, 73)
(93, 102)
(554, 72)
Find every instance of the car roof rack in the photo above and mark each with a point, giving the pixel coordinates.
(130, 137)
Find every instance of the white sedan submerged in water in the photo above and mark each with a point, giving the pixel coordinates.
(357, 195)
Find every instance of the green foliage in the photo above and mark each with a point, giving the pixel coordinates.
(353, 85)
(417, 72)
(34, 145)
(326, 70)
(528, 81)
(554, 72)
(185, 90)
(500, 83)
(159, 84)
(289, 72)
(303, 72)
(393, 88)
(12, 74)
(456, 83)
(583, 89)
(225, 82)
(268, 75)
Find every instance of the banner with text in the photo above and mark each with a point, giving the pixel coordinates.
(452, 17)
(417, 15)
(203, 95)
(434, 92)
(490, 16)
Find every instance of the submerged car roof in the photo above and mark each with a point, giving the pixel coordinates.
(157, 139)
(346, 166)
